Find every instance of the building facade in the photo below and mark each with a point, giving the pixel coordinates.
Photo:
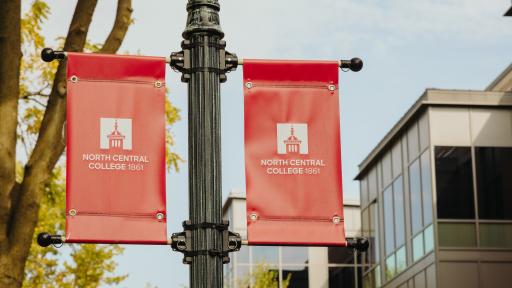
(315, 267)
(436, 193)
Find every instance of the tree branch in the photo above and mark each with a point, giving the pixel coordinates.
(10, 49)
(121, 24)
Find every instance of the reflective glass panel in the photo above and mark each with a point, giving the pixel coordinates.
(367, 281)
(243, 255)
(399, 212)
(415, 190)
(364, 191)
(426, 188)
(390, 267)
(265, 254)
(341, 277)
(498, 235)
(401, 262)
(417, 247)
(294, 255)
(365, 229)
(374, 232)
(341, 255)
(376, 277)
(298, 276)
(429, 238)
(372, 184)
(494, 180)
(457, 234)
(454, 180)
(242, 276)
(389, 232)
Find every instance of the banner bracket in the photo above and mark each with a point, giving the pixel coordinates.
(360, 244)
(45, 239)
(182, 242)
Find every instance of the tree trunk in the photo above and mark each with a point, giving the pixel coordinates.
(19, 203)
(10, 51)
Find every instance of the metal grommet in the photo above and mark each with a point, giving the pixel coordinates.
(332, 87)
(248, 85)
(72, 212)
(160, 216)
(253, 216)
(158, 84)
(73, 79)
(336, 220)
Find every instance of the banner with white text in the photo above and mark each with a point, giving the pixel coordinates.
(293, 153)
(115, 149)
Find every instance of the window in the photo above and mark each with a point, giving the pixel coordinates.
(417, 247)
(340, 277)
(364, 191)
(426, 188)
(454, 183)
(429, 238)
(401, 263)
(390, 267)
(457, 234)
(374, 234)
(265, 254)
(415, 190)
(497, 235)
(372, 184)
(388, 220)
(398, 194)
(294, 255)
(298, 276)
(494, 182)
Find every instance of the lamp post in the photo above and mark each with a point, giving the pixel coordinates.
(203, 63)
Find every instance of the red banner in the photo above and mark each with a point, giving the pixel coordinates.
(292, 153)
(115, 149)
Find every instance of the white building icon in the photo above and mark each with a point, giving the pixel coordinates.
(292, 138)
(116, 134)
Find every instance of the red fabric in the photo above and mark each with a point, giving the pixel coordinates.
(294, 187)
(116, 188)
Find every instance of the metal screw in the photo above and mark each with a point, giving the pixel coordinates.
(158, 84)
(248, 85)
(332, 87)
(73, 79)
(159, 216)
(253, 216)
(336, 220)
(72, 212)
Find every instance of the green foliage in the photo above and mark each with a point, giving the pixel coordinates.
(89, 265)
(264, 277)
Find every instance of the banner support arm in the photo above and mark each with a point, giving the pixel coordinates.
(354, 64)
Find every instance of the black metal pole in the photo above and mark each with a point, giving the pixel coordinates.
(203, 41)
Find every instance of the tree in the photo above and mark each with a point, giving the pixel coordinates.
(91, 265)
(264, 277)
(39, 119)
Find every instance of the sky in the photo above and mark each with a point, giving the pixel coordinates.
(407, 46)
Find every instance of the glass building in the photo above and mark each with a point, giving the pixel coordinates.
(315, 267)
(436, 193)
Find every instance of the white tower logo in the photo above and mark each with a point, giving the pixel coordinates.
(292, 138)
(116, 134)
